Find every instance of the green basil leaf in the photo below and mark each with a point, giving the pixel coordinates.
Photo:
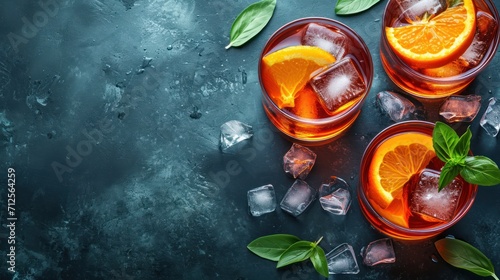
(272, 246)
(463, 255)
(346, 7)
(299, 251)
(462, 147)
(444, 140)
(250, 22)
(480, 170)
(448, 173)
(319, 262)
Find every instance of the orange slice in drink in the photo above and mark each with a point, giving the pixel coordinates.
(435, 41)
(286, 71)
(394, 162)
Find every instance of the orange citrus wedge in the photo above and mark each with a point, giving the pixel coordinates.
(435, 41)
(394, 162)
(286, 71)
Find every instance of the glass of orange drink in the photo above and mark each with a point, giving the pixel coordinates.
(435, 48)
(398, 188)
(315, 74)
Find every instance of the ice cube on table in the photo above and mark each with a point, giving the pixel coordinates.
(298, 197)
(335, 196)
(486, 27)
(299, 161)
(338, 84)
(234, 132)
(490, 120)
(426, 200)
(325, 38)
(379, 251)
(261, 200)
(460, 108)
(415, 10)
(396, 106)
(341, 260)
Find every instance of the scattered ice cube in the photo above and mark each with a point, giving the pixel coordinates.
(414, 10)
(491, 118)
(299, 161)
(341, 260)
(261, 200)
(327, 39)
(379, 251)
(335, 196)
(486, 27)
(338, 84)
(426, 200)
(460, 108)
(396, 106)
(298, 197)
(234, 132)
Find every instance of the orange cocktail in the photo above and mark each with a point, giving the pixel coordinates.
(315, 74)
(398, 184)
(435, 48)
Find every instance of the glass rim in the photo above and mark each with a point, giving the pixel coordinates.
(471, 73)
(409, 126)
(330, 119)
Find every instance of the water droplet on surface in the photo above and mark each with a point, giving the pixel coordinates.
(169, 47)
(434, 258)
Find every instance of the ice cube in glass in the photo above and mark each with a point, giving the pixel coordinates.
(460, 108)
(325, 38)
(486, 27)
(396, 106)
(299, 161)
(338, 84)
(298, 197)
(416, 10)
(426, 200)
(341, 260)
(234, 132)
(261, 200)
(335, 196)
(379, 251)
(490, 120)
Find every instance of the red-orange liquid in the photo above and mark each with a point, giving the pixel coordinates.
(418, 226)
(442, 81)
(308, 120)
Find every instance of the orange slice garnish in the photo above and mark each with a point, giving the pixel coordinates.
(286, 71)
(435, 41)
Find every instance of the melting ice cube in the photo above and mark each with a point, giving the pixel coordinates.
(327, 39)
(414, 10)
(486, 27)
(426, 200)
(460, 108)
(379, 251)
(396, 106)
(233, 132)
(338, 84)
(299, 161)
(341, 260)
(298, 197)
(261, 200)
(335, 196)
(490, 121)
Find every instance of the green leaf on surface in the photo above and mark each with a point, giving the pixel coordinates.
(480, 170)
(272, 246)
(346, 7)
(444, 140)
(299, 251)
(250, 22)
(319, 262)
(463, 255)
(462, 147)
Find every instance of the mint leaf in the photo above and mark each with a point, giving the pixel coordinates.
(299, 251)
(480, 170)
(319, 262)
(463, 255)
(462, 147)
(271, 247)
(448, 173)
(250, 22)
(444, 140)
(345, 7)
